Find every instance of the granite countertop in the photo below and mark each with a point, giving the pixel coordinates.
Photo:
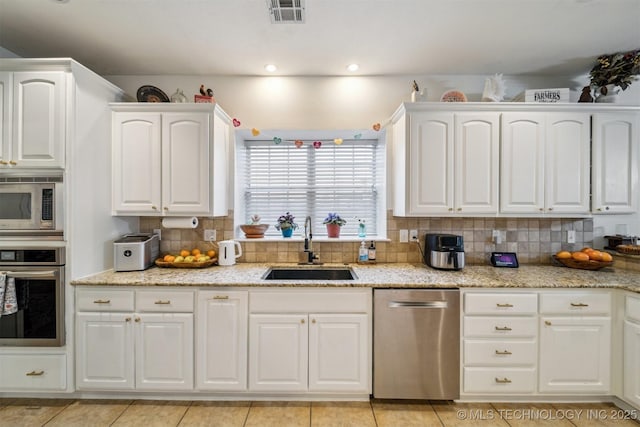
(378, 276)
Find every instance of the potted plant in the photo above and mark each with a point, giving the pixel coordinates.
(254, 230)
(286, 224)
(613, 71)
(333, 223)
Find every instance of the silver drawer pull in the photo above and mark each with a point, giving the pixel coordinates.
(102, 301)
(418, 304)
(161, 302)
(506, 305)
(503, 328)
(579, 304)
(221, 297)
(35, 373)
(504, 380)
(505, 352)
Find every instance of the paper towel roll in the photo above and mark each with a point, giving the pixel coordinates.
(180, 222)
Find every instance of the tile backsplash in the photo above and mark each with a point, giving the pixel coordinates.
(533, 239)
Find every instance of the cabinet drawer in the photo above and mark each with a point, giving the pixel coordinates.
(633, 308)
(500, 353)
(495, 326)
(302, 301)
(102, 299)
(164, 301)
(33, 372)
(575, 303)
(499, 380)
(500, 303)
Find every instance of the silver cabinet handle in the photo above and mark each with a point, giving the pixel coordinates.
(504, 380)
(579, 304)
(503, 328)
(506, 305)
(505, 352)
(418, 304)
(102, 301)
(161, 302)
(35, 373)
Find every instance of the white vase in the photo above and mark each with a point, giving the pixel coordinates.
(610, 97)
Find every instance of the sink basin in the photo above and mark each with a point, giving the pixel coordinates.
(310, 273)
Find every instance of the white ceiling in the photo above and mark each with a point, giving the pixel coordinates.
(236, 37)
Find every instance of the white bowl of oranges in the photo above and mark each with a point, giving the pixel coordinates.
(585, 259)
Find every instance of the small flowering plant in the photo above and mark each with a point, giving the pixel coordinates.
(334, 218)
(255, 219)
(617, 69)
(286, 221)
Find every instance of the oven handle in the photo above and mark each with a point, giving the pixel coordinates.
(31, 274)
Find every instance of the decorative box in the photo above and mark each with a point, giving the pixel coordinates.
(204, 99)
(547, 95)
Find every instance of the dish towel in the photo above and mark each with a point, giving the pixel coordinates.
(8, 298)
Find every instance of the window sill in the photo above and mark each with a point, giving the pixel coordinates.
(322, 239)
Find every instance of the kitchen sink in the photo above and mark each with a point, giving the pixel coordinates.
(310, 273)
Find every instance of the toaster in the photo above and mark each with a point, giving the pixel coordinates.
(133, 252)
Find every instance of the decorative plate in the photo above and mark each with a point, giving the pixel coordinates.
(151, 94)
(203, 264)
(453, 96)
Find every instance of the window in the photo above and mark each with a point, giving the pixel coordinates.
(348, 179)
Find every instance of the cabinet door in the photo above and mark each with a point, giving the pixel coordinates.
(522, 163)
(338, 353)
(5, 118)
(39, 119)
(632, 362)
(136, 163)
(430, 184)
(477, 144)
(567, 161)
(565, 341)
(104, 351)
(185, 164)
(164, 351)
(615, 158)
(221, 358)
(278, 352)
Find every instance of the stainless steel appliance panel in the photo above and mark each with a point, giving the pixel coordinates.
(416, 344)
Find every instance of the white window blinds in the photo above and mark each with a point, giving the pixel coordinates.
(345, 179)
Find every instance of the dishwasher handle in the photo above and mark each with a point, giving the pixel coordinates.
(418, 304)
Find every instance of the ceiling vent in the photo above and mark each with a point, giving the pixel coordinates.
(286, 11)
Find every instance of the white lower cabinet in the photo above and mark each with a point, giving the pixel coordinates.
(294, 347)
(221, 330)
(33, 372)
(632, 351)
(125, 350)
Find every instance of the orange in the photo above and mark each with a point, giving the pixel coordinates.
(184, 253)
(580, 256)
(595, 255)
(211, 253)
(606, 257)
(195, 252)
(586, 249)
(564, 254)
(169, 258)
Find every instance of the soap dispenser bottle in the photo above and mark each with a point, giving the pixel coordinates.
(363, 254)
(372, 251)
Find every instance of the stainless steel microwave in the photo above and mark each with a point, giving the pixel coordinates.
(30, 207)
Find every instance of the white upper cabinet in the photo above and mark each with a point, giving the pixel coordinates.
(448, 165)
(169, 160)
(545, 163)
(33, 116)
(615, 162)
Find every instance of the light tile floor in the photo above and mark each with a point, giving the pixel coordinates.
(382, 413)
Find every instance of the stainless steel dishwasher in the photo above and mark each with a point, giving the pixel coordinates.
(416, 344)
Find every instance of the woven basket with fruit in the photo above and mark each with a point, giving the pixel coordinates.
(585, 259)
(194, 258)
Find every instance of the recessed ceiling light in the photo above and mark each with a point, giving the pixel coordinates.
(353, 67)
(270, 68)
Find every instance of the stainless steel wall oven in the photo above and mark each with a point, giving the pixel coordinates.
(37, 274)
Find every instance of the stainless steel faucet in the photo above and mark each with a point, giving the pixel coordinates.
(308, 237)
